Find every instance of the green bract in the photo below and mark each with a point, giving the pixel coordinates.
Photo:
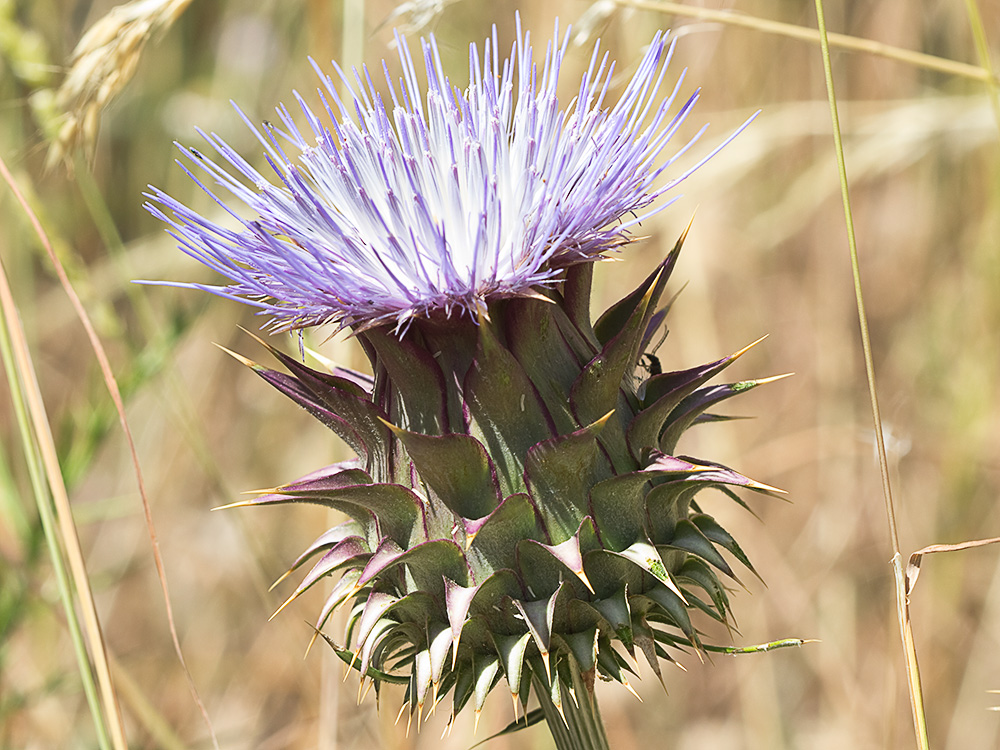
(516, 510)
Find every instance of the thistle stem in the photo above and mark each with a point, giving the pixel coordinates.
(579, 726)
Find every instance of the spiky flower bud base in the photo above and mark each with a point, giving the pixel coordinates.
(517, 510)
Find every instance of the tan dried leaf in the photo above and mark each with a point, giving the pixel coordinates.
(913, 567)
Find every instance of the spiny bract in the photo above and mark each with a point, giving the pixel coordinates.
(516, 507)
(516, 510)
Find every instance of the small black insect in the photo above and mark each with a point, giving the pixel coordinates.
(652, 363)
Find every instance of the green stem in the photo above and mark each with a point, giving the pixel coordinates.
(579, 725)
(10, 324)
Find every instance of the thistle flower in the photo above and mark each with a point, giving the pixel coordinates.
(441, 202)
(516, 510)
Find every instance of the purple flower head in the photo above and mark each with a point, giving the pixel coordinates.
(437, 200)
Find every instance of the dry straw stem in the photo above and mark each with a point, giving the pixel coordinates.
(902, 608)
(11, 328)
(104, 61)
(64, 514)
(61, 497)
(841, 41)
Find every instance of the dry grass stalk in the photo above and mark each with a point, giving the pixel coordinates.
(841, 41)
(104, 61)
(60, 496)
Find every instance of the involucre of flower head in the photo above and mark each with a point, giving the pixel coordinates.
(437, 199)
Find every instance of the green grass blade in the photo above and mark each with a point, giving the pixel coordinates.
(9, 325)
(57, 485)
(43, 440)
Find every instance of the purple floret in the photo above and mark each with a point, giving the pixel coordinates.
(438, 200)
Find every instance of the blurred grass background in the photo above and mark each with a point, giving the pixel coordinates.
(767, 254)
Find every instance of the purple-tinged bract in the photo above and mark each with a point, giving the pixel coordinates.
(437, 199)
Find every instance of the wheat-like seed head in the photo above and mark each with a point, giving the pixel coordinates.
(104, 61)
